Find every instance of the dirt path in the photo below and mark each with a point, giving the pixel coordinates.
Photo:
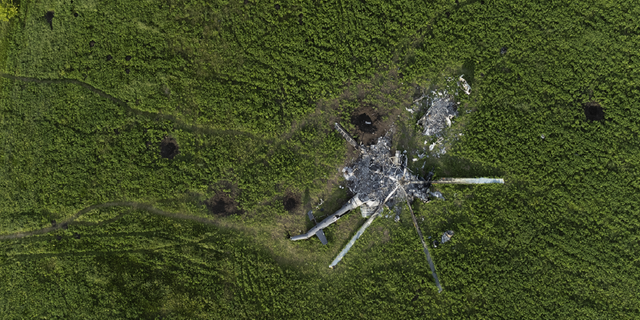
(134, 205)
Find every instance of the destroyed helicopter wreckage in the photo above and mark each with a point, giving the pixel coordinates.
(379, 180)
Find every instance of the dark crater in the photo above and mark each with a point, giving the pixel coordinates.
(364, 123)
(168, 148)
(277, 6)
(109, 57)
(503, 50)
(49, 17)
(92, 43)
(593, 111)
(291, 202)
(127, 58)
(224, 203)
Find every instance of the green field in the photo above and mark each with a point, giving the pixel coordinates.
(101, 219)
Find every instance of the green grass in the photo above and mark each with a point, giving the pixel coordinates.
(249, 94)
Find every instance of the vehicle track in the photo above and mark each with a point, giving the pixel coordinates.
(181, 124)
(135, 205)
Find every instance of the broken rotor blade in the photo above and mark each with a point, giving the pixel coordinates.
(361, 230)
(468, 180)
(424, 245)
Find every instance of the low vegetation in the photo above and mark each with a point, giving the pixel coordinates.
(156, 157)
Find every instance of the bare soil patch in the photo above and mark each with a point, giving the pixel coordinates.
(593, 111)
(168, 148)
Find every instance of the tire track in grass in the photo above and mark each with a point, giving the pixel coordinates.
(181, 124)
(135, 205)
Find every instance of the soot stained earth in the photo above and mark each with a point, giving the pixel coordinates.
(222, 204)
(168, 148)
(369, 125)
(49, 17)
(364, 123)
(593, 111)
(291, 202)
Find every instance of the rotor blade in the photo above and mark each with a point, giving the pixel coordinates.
(424, 245)
(361, 230)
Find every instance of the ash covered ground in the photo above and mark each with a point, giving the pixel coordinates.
(376, 174)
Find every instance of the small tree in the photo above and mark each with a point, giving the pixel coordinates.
(7, 10)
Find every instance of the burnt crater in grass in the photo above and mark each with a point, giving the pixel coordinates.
(364, 123)
(168, 148)
(49, 17)
(593, 111)
(291, 202)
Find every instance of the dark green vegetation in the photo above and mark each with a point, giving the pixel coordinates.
(246, 91)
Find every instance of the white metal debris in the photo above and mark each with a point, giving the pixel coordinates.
(376, 173)
(465, 86)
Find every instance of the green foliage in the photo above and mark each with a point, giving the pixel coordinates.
(237, 85)
(7, 10)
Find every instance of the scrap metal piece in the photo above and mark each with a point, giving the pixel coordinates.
(346, 136)
(446, 236)
(441, 110)
(465, 86)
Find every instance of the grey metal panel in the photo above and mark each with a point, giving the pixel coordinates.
(311, 217)
(346, 136)
(321, 236)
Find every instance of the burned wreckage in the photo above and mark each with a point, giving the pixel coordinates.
(379, 179)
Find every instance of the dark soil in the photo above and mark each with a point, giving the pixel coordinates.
(291, 202)
(49, 17)
(364, 123)
(75, 14)
(593, 111)
(92, 43)
(109, 57)
(168, 148)
(277, 7)
(369, 125)
(222, 204)
(503, 50)
(127, 58)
